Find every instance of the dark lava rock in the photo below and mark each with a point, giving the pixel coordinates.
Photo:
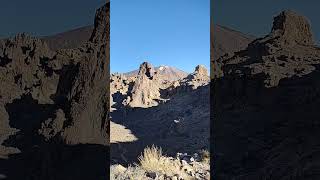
(265, 106)
(54, 107)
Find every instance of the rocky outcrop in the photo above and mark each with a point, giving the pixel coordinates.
(165, 73)
(146, 88)
(88, 96)
(185, 167)
(153, 86)
(287, 51)
(173, 115)
(292, 28)
(265, 102)
(199, 77)
(54, 104)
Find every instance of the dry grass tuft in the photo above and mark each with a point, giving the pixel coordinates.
(205, 156)
(152, 160)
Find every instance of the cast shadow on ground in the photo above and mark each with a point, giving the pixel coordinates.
(261, 132)
(51, 160)
(152, 129)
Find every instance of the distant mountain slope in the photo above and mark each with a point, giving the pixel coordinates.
(225, 40)
(69, 39)
(167, 72)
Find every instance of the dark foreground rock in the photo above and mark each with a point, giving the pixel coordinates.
(54, 107)
(265, 103)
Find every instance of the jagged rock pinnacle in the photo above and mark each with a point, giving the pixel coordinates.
(146, 69)
(292, 28)
(201, 70)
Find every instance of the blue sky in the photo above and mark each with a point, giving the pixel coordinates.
(162, 32)
(256, 17)
(45, 17)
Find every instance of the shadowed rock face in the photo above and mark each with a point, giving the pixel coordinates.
(70, 39)
(264, 102)
(285, 52)
(53, 101)
(225, 42)
(292, 28)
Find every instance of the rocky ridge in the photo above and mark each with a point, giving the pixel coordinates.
(265, 100)
(167, 73)
(143, 90)
(225, 42)
(177, 119)
(55, 99)
(287, 51)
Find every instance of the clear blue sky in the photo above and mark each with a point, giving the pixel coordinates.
(45, 17)
(255, 17)
(163, 32)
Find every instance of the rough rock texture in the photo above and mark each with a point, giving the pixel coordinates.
(265, 103)
(151, 87)
(292, 28)
(146, 88)
(120, 88)
(178, 120)
(88, 96)
(194, 80)
(188, 167)
(54, 105)
(287, 51)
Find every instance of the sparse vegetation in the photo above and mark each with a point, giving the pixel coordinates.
(205, 156)
(153, 164)
(153, 160)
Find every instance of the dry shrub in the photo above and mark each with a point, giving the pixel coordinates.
(205, 156)
(152, 160)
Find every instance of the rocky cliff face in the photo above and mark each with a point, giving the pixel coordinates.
(54, 99)
(264, 101)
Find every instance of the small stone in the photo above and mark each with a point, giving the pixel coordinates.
(152, 175)
(119, 168)
(174, 178)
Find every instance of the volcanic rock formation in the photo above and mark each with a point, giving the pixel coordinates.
(173, 115)
(55, 99)
(265, 101)
(146, 88)
(167, 73)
